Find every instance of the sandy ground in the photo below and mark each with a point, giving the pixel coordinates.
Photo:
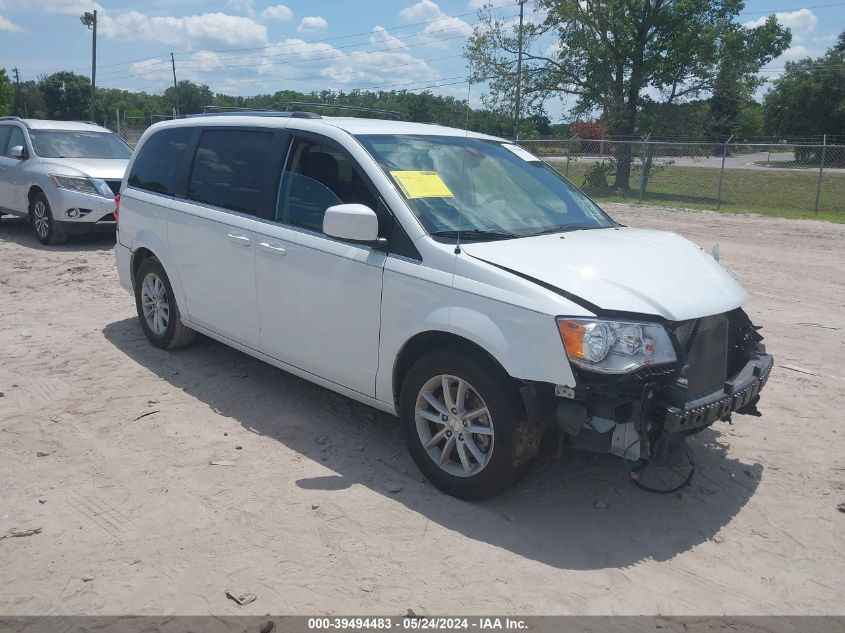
(106, 446)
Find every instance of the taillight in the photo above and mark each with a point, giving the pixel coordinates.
(116, 210)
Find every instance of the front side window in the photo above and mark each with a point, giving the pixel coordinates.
(485, 189)
(229, 169)
(5, 130)
(78, 144)
(156, 167)
(317, 177)
(15, 139)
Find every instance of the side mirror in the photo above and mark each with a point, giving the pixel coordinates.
(17, 152)
(354, 222)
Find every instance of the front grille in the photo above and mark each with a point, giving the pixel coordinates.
(109, 217)
(114, 185)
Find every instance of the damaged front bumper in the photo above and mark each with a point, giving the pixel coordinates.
(739, 395)
(637, 415)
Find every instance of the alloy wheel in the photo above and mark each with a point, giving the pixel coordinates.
(41, 217)
(155, 304)
(454, 425)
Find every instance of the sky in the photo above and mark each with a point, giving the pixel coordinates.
(247, 47)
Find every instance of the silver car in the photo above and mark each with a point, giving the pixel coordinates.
(61, 175)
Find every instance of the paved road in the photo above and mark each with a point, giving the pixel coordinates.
(741, 161)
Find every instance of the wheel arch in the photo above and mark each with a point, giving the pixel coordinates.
(147, 244)
(429, 341)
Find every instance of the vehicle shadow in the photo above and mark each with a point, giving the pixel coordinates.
(551, 516)
(18, 231)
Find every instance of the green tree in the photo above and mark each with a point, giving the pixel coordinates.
(67, 96)
(192, 97)
(7, 94)
(809, 98)
(607, 53)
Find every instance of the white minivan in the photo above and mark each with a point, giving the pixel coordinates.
(447, 277)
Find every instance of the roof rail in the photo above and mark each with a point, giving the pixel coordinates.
(210, 111)
(393, 113)
(261, 113)
(14, 118)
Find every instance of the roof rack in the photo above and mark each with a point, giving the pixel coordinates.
(211, 111)
(14, 118)
(393, 113)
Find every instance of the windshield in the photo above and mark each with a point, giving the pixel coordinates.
(73, 144)
(505, 192)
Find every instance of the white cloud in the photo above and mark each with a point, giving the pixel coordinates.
(795, 52)
(244, 6)
(278, 13)
(312, 24)
(7, 25)
(478, 4)
(190, 31)
(437, 33)
(382, 37)
(422, 11)
(799, 22)
(440, 28)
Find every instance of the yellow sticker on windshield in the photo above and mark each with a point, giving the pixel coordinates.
(421, 184)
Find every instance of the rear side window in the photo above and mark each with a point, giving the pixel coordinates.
(229, 169)
(156, 166)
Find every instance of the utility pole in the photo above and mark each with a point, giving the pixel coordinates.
(516, 112)
(175, 85)
(17, 92)
(90, 20)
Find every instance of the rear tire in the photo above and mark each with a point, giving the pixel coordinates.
(42, 222)
(157, 308)
(474, 442)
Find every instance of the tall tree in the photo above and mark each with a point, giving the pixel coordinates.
(67, 96)
(809, 98)
(608, 53)
(7, 93)
(192, 97)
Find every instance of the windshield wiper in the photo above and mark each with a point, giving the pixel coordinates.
(569, 227)
(476, 234)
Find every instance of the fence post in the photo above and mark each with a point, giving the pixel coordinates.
(821, 171)
(722, 174)
(601, 146)
(645, 158)
(569, 154)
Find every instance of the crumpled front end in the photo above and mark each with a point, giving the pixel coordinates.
(721, 369)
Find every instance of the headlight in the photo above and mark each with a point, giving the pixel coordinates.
(615, 347)
(76, 183)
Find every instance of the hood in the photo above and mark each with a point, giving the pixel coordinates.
(624, 269)
(105, 168)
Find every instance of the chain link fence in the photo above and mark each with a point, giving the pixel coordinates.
(130, 128)
(782, 178)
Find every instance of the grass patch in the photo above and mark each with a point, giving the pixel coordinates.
(785, 194)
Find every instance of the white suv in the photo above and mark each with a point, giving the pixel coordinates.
(450, 278)
(61, 175)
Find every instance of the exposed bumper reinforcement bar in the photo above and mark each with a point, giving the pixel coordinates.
(739, 392)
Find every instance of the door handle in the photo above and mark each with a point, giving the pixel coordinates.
(240, 239)
(273, 248)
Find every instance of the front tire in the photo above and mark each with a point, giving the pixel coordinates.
(157, 309)
(464, 425)
(42, 222)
